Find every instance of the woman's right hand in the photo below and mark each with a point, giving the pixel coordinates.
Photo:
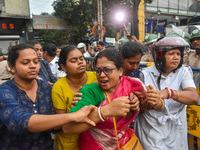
(76, 99)
(118, 107)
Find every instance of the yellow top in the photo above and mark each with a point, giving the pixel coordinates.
(62, 96)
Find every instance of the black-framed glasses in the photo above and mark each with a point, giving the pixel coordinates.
(106, 71)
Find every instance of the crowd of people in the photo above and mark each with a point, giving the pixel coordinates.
(47, 91)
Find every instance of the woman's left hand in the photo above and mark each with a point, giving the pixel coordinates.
(134, 102)
(153, 96)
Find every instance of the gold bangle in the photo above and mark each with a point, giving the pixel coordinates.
(105, 118)
(177, 95)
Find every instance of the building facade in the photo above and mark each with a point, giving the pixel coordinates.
(160, 13)
(14, 21)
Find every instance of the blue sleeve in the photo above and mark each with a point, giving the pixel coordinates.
(12, 113)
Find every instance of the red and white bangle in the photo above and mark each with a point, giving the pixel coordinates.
(169, 93)
(172, 93)
(100, 114)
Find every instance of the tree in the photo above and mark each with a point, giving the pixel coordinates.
(77, 14)
(84, 13)
(131, 7)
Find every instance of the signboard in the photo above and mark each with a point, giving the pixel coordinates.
(193, 120)
(110, 41)
(10, 26)
(47, 22)
(150, 26)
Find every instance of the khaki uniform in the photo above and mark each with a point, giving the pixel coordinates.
(191, 58)
(5, 73)
(147, 58)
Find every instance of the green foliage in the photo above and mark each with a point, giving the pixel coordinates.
(77, 14)
(58, 37)
(80, 15)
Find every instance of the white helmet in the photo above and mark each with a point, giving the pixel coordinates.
(94, 43)
(81, 45)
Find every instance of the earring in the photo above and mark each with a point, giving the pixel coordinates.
(12, 71)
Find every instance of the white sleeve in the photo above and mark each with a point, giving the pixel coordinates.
(188, 80)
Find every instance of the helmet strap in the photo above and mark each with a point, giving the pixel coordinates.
(158, 80)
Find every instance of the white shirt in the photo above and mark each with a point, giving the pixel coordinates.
(54, 68)
(167, 129)
(86, 54)
(98, 52)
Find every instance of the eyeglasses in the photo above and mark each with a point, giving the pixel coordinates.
(106, 71)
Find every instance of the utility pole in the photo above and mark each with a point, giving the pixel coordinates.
(100, 19)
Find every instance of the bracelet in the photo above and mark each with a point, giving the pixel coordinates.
(172, 93)
(99, 112)
(177, 95)
(102, 115)
(169, 93)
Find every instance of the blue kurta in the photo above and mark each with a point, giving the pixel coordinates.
(16, 108)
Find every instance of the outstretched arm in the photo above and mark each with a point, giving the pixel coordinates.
(39, 123)
(118, 107)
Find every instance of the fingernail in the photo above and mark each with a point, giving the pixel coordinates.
(131, 98)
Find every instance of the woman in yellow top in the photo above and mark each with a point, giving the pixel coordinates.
(66, 89)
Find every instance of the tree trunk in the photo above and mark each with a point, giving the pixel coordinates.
(135, 21)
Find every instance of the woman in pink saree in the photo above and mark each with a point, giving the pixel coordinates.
(123, 105)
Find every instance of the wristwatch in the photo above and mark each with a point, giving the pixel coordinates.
(4, 58)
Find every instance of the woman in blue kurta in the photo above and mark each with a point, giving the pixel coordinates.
(26, 105)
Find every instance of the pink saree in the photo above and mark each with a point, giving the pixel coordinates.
(102, 136)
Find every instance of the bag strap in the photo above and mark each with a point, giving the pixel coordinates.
(114, 121)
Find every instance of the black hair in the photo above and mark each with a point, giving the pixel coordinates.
(101, 43)
(33, 42)
(13, 53)
(64, 54)
(112, 55)
(50, 48)
(131, 49)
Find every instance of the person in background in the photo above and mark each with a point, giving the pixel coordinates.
(10, 46)
(49, 55)
(131, 53)
(149, 40)
(66, 89)
(26, 109)
(94, 46)
(132, 37)
(45, 71)
(16, 43)
(192, 58)
(58, 50)
(129, 37)
(5, 72)
(83, 48)
(162, 122)
(100, 47)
